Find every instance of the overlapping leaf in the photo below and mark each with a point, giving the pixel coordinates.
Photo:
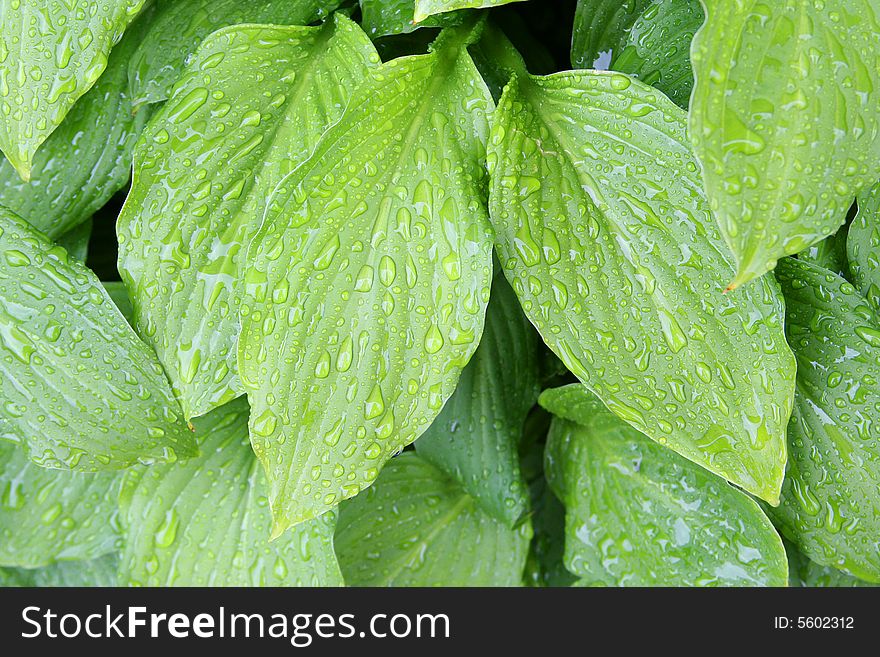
(830, 253)
(249, 107)
(206, 522)
(368, 282)
(623, 273)
(181, 25)
(51, 53)
(87, 158)
(650, 39)
(638, 514)
(94, 572)
(863, 246)
(476, 436)
(76, 240)
(385, 17)
(783, 120)
(48, 515)
(79, 389)
(417, 527)
(830, 500)
(427, 8)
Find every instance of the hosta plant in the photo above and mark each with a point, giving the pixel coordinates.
(412, 293)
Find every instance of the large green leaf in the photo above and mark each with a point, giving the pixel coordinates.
(863, 246)
(76, 240)
(250, 106)
(783, 120)
(803, 572)
(181, 25)
(79, 389)
(622, 273)
(830, 500)
(88, 158)
(95, 572)
(51, 53)
(206, 521)
(369, 280)
(50, 515)
(650, 39)
(830, 253)
(638, 514)
(476, 436)
(417, 527)
(427, 8)
(384, 17)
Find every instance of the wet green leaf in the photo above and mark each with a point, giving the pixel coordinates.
(830, 253)
(638, 514)
(206, 164)
(863, 246)
(830, 500)
(51, 53)
(51, 515)
(119, 295)
(622, 273)
(803, 572)
(384, 17)
(76, 240)
(417, 527)
(206, 521)
(87, 158)
(783, 121)
(181, 25)
(369, 280)
(476, 436)
(95, 572)
(79, 389)
(649, 39)
(426, 8)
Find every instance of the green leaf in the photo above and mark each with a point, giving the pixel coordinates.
(830, 500)
(830, 253)
(622, 272)
(385, 17)
(475, 437)
(368, 281)
(181, 25)
(87, 159)
(79, 389)
(117, 292)
(803, 572)
(783, 121)
(863, 246)
(427, 8)
(195, 202)
(50, 55)
(76, 240)
(649, 39)
(417, 527)
(49, 515)
(96, 572)
(206, 521)
(638, 514)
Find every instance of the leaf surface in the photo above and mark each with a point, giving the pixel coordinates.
(79, 388)
(385, 17)
(417, 527)
(426, 8)
(622, 272)
(783, 121)
(369, 280)
(249, 107)
(863, 246)
(206, 521)
(51, 53)
(94, 572)
(638, 514)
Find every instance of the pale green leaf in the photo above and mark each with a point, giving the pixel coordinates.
(369, 279)
(427, 8)
(181, 25)
(783, 120)
(385, 17)
(803, 572)
(51, 515)
(79, 388)
(830, 500)
(649, 39)
(87, 158)
(417, 527)
(622, 273)
(638, 514)
(76, 240)
(95, 572)
(206, 521)
(206, 164)
(476, 436)
(51, 53)
(863, 246)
